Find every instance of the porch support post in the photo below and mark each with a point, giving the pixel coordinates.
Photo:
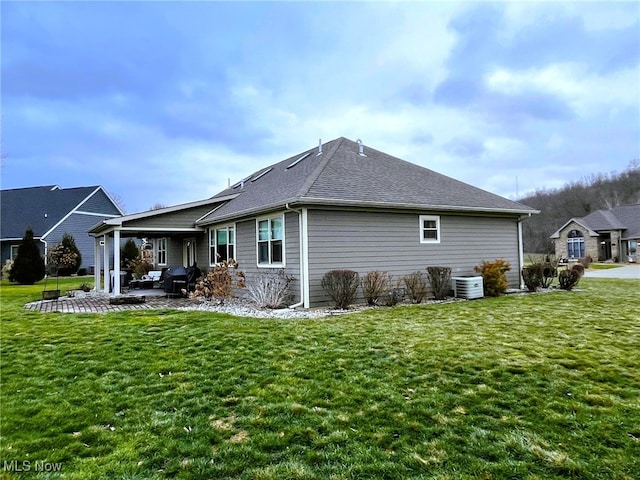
(116, 262)
(96, 264)
(105, 276)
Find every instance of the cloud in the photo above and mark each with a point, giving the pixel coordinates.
(165, 101)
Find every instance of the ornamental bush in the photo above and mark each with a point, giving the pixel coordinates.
(549, 272)
(567, 279)
(28, 266)
(341, 286)
(374, 285)
(533, 276)
(270, 290)
(71, 254)
(440, 280)
(494, 278)
(129, 254)
(219, 282)
(416, 285)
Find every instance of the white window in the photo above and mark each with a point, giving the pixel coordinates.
(429, 229)
(575, 244)
(271, 241)
(161, 251)
(14, 252)
(222, 244)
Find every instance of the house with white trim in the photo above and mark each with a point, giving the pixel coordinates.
(51, 211)
(339, 205)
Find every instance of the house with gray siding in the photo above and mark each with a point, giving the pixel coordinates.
(51, 211)
(340, 205)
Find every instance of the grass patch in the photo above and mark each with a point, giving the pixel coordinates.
(533, 386)
(604, 266)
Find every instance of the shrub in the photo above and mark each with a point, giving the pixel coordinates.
(567, 279)
(540, 274)
(585, 261)
(140, 267)
(341, 286)
(416, 285)
(374, 285)
(6, 268)
(494, 277)
(270, 290)
(69, 244)
(578, 267)
(440, 280)
(130, 253)
(219, 283)
(549, 272)
(533, 276)
(28, 266)
(64, 258)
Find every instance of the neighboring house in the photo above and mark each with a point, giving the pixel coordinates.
(336, 206)
(51, 212)
(602, 235)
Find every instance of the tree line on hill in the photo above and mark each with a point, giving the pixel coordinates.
(577, 199)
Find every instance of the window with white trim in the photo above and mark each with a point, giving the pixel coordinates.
(161, 251)
(222, 244)
(14, 251)
(271, 241)
(429, 229)
(575, 244)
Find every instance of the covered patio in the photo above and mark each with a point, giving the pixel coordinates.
(172, 233)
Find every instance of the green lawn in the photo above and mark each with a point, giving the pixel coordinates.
(524, 387)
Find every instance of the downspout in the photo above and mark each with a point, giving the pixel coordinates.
(301, 225)
(46, 250)
(521, 250)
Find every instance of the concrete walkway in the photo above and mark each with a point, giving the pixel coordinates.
(628, 271)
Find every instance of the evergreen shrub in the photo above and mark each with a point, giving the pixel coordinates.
(28, 266)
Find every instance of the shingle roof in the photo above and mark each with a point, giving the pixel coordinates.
(37, 207)
(342, 176)
(624, 217)
(629, 216)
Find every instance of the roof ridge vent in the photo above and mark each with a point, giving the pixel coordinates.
(360, 148)
(319, 147)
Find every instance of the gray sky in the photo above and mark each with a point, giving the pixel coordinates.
(164, 102)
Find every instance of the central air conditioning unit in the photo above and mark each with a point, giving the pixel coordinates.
(467, 287)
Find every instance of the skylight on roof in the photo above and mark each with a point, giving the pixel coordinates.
(262, 174)
(295, 162)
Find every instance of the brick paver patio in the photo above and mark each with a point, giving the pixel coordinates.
(100, 304)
